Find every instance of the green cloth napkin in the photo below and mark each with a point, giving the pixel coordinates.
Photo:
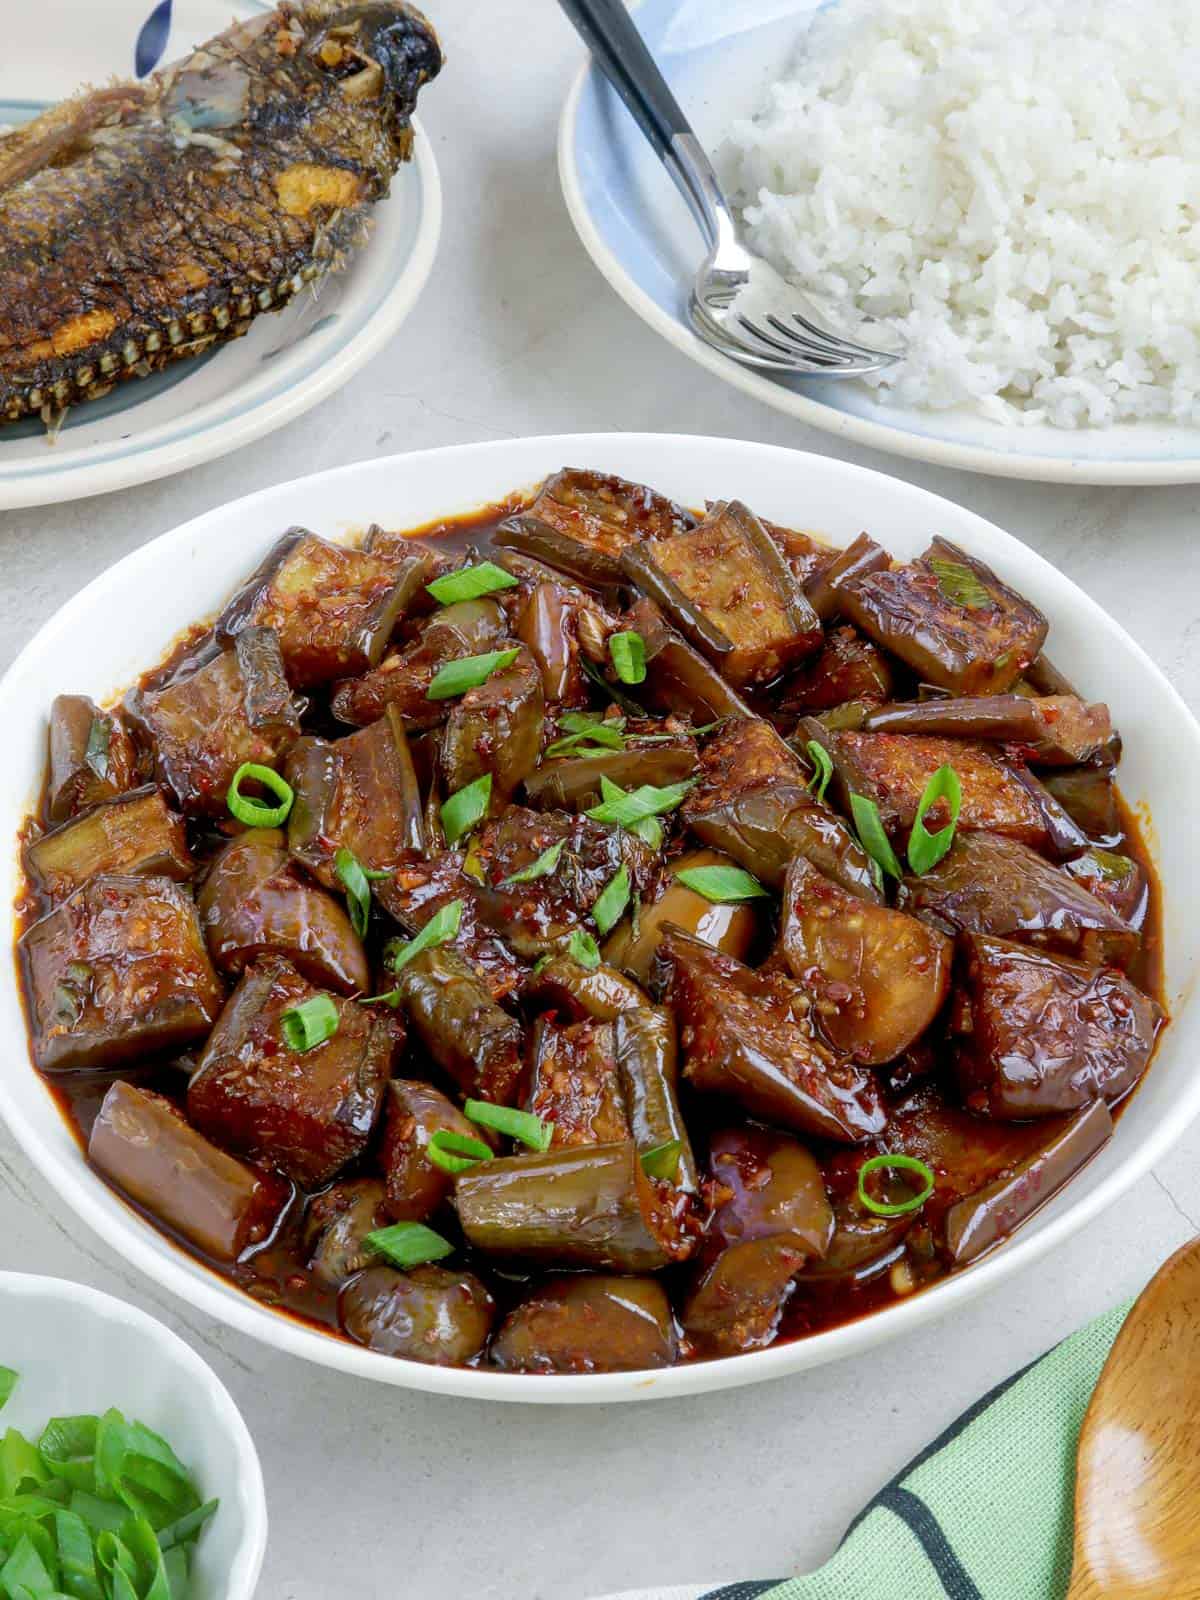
(983, 1513)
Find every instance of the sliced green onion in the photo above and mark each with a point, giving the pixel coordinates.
(470, 583)
(408, 1244)
(468, 672)
(646, 801)
(8, 1382)
(872, 836)
(441, 928)
(520, 1125)
(186, 1527)
(583, 948)
(628, 652)
(649, 830)
(1111, 866)
(959, 583)
(612, 900)
(926, 849)
(310, 1024)
(254, 813)
(822, 768)
(895, 1163)
(541, 964)
(663, 1160)
(614, 691)
(541, 868)
(356, 880)
(99, 743)
(588, 728)
(466, 807)
(455, 1152)
(722, 885)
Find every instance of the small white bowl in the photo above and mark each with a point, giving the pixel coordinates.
(78, 1350)
(125, 620)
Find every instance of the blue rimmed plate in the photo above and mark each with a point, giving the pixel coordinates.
(719, 58)
(287, 363)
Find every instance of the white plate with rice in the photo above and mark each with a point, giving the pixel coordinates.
(1015, 183)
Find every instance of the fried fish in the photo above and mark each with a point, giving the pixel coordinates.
(143, 223)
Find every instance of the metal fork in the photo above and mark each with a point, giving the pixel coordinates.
(779, 331)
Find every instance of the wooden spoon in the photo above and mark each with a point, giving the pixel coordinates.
(1137, 1490)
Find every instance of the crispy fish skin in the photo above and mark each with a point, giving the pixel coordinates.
(144, 223)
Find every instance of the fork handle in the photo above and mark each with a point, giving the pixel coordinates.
(621, 54)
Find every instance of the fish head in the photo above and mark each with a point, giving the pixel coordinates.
(379, 48)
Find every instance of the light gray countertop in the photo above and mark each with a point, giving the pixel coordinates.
(376, 1492)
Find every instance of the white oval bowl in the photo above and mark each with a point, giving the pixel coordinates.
(123, 622)
(78, 1350)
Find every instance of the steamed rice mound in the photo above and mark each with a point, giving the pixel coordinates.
(1016, 186)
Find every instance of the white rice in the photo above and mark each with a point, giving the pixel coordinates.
(1015, 184)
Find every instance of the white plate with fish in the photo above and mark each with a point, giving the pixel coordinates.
(1131, 356)
(235, 390)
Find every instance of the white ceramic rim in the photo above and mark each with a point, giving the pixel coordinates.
(181, 1274)
(249, 1490)
(860, 430)
(160, 461)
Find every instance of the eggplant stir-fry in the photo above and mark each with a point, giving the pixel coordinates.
(592, 935)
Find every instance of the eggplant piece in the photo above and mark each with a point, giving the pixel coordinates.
(559, 552)
(333, 607)
(749, 1036)
(547, 626)
(849, 667)
(863, 1245)
(776, 1220)
(146, 1148)
(878, 977)
(465, 1032)
(806, 555)
(306, 1113)
(588, 1206)
(360, 794)
(576, 1086)
(751, 803)
(495, 728)
(604, 513)
(336, 1225)
(573, 782)
(116, 973)
(534, 917)
(1054, 731)
(858, 560)
(92, 757)
(413, 1113)
(678, 679)
(578, 992)
(648, 1064)
(467, 628)
(1037, 1035)
(431, 1314)
(1088, 794)
(991, 885)
(892, 769)
(949, 618)
(728, 590)
(419, 889)
(734, 929)
(254, 902)
(981, 1220)
(588, 1322)
(135, 834)
(1118, 882)
(234, 708)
